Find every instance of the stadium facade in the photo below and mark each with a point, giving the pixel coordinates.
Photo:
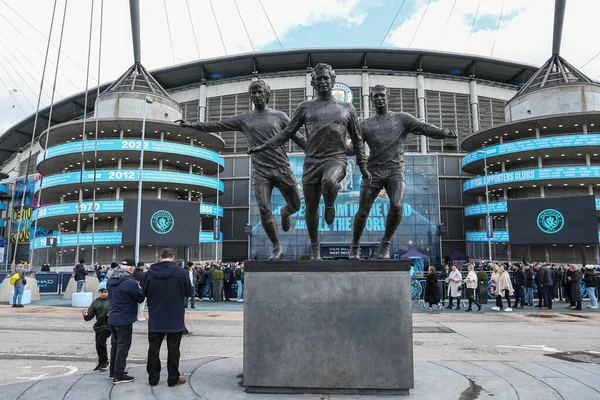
(467, 93)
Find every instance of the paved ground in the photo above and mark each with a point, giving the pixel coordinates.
(49, 350)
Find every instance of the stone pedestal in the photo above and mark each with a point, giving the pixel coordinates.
(7, 288)
(26, 299)
(338, 327)
(91, 285)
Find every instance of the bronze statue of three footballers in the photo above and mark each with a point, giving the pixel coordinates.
(327, 123)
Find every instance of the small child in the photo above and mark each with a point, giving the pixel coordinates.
(99, 309)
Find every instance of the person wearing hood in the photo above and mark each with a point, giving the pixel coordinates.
(589, 278)
(166, 286)
(124, 295)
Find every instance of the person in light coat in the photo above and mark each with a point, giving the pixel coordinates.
(471, 281)
(503, 288)
(454, 284)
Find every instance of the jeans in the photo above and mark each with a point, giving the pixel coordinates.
(240, 289)
(153, 366)
(101, 337)
(591, 291)
(80, 286)
(18, 296)
(120, 344)
(528, 295)
(141, 307)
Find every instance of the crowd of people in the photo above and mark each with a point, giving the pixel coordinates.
(514, 280)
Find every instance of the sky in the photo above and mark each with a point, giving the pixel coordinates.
(179, 31)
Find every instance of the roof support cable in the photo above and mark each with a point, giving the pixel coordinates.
(92, 261)
(244, 25)
(419, 25)
(472, 25)
(269, 19)
(446, 26)
(193, 30)
(392, 24)
(87, 82)
(37, 111)
(169, 30)
(497, 28)
(218, 27)
(12, 93)
(45, 150)
(17, 86)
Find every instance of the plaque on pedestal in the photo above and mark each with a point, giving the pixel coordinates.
(336, 327)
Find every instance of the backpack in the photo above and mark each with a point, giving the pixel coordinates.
(15, 278)
(237, 274)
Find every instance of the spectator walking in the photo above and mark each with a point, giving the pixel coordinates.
(211, 271)
(518, 279)
(166, 287)
(227, 281)
(18, 281)
(443, 276)
(544, 282)
(528, 284)
(494, 278)
(237, 276)
(471, 282)
(79, 276)
(575, 287)
(139, 275)
(503, 288)
(193, 277)
(432, 289)
(590, 281)
(454, 280)
(124, 295)
(202, 277)
(99, 309)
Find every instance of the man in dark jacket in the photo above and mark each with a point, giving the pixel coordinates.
(528, 283)
(80, 276)
(202, 277)
(166, 286)
(227, 281)
(124, 294)
(544, 279)
(139, 274)
(518, 281)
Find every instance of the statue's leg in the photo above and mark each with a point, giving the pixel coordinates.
(262, 192)
(333, 173)
(395, 188)
(312, 195)
(292, 204)
(368, 195)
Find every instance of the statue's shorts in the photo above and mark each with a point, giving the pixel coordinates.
(315, 170)
(384, 177)
(279, 177)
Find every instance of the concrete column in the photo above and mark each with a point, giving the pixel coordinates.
(537, 133)
(421, 109)
(503, 166)
(162, 136)
(474, 100)
(121, 134)
(542, 192)
(585, 129)
(365, 94)
(201, 106)
(118, 192)
(308, 87)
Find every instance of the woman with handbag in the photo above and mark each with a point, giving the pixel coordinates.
(471, 283)
(432, 289)
(454, 287)
(503, 288)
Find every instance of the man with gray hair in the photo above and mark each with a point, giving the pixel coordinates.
(270, 169)
(166, 286)
(386, 133)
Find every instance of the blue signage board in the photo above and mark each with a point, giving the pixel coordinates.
(47, 282)
(499, 236)
(163, 177)
(112, 206)
(591, 140)
(216, 228)
(526, 175)
(105, 238)
(131, 145)
(498, 207)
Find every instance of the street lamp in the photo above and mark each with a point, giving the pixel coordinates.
(138, 221)
(488, 221)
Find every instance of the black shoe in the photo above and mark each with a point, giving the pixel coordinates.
(449, 307)
(104, 366)
(478, 308)
(14, 306)
(97, 368)
(193, 306)
(521, 307)
(125, 379)
(20, 305)
(185, 306)
(457, 308)
(111, 376)
(467, 310)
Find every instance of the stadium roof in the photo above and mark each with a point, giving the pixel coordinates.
(395, 60)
